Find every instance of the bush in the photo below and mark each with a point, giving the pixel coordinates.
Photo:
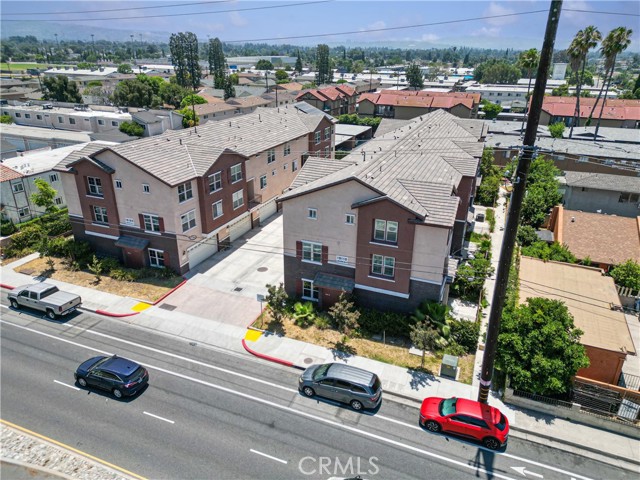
(454, 349)
(321, 322)
(465, 334)
(123, 274)
(6, 119)
(26, 240)
(7, 227)
(80, 254)
(393, 324)
(109, 264)
(491, 219)
(59, 246)
(556, 129)
(132, 129)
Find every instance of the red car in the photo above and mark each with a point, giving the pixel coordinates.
(466, 418)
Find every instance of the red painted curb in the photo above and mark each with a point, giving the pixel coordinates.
(266, 357)
(170, 292)
(118, 315)
(8, 287)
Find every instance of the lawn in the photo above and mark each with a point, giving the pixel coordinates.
(20, 66)
(146, 289)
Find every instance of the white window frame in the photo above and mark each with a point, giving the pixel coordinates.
(188, 220)
(387, 231)
(294, 165)
(235, 199)
(312, 213)
(271, 155)
(17, 187)
(263, 182)
(312, 289)
(156, 258)
(118, 184)
(213, 209)
(236, 173)
(186, 193)
(318, 137)
(327, 133)
(380, 262)
(312, 251)
(95, 186)
(287, 149)
(151, 223)
(100, 215)
(24, 212)
(146, 188)
(215, 182)
(327, 151)
(350, 218)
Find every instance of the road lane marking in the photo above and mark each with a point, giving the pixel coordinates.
(159, 418)
(526, 473)
(297, 412)
(66, 385)
(399, 422)
(75, 450)
(268, 456)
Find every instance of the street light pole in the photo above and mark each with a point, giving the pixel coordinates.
(517, 196)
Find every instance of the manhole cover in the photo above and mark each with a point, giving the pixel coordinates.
(166, 306)
(237, 289)
(308, 360)
(263, 269)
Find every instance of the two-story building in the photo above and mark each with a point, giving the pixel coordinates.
(382, 222)
(338, 100)
(601, 193)
(618, 113)
(405, 105)
(172, 199)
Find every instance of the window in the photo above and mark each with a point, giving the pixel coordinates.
(188, 220)
(284, 167)
(559, 157)
(17, 187)
(151, 222)
(95, 186)
(27, 115)
(100, 122)
(350, 219)
(294, 165)
(53, 177)
(312, 252)
(327, 152)
(184, 192)
(23, 212)
(317, 137)
(236, 173)
(18, 115)
(38, 117)
(628, 198)
(273, 173)
(215, 182)
(58, 201)
(129, 221)
(385, 231)
(263, 182)
(100, 215)
(60, 120)
(238, 199)
(217, 209)
(146, 188)
(327, 133)
(156, 258)
(114, 124)
(312, 213)
(119, 184)
(383, 265)
(583, 159)
(287, 149)
(310, 292)
(271, 155)
(72, 121)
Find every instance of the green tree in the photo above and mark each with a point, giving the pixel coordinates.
(125, 68)
(264, 65)
(235, 79)
(229, 90)
(189, 118)
(414, 77)
(488, 190)
(491, 110)
(497, 71)
(171, 93)
(277, 301)
(192, 99)
(554, 252)
(528, 61)
(217, 64)
(539, 347)
(323, 65)
(561, 91)
(185, 59)
(627, 274)
(132, 129)
(135, 93)
(542, 192)
(584, 41)
(344, 315)
(45, 196)
(556, 129)
(435, 316)
(281, 75)
(6, 119)
(298, 66)
(526, 235)
(424, 338)
(60, 89)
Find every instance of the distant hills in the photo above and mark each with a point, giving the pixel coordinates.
(66, 31)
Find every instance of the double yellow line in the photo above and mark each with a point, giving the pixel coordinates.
(75, 450)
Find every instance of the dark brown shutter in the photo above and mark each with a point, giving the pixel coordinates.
(325, 254)
(85, 179)
(298, 249)
(167, 260)
(141, 218)
(161, 223)
(299, 287)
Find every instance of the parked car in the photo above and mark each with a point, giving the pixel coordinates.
(46, 298)
(480, 217)
(344, 383)
(117, 375)
(466, 418)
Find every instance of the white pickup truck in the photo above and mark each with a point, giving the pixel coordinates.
(46, 298)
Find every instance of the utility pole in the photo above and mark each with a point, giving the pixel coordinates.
(513, 217)
(93, 43)
(133, 50)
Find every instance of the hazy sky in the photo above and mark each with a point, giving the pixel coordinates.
(234, 21)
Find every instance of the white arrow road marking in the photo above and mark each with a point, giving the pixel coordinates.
(268, 456)
(65, 385)
(159, 418)
(522, 471)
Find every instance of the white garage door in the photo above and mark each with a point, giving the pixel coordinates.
(240, 227)
(268, 209)
(201, 251)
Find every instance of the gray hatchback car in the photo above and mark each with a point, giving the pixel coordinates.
(344, 383)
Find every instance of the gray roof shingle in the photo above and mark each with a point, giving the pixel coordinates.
(602, 181)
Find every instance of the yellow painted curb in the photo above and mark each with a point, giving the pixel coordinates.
(140, 307)
(252, 335)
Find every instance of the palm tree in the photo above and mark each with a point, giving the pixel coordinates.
(528, 60)
(584, 41)
(614, 43)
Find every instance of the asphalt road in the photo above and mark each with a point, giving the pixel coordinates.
(215, 414)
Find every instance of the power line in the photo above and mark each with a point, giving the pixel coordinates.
(119, 9)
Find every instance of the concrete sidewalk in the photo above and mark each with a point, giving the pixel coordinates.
(406, 385)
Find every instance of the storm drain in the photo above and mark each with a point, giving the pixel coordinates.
(166, 306)
(237, 289)
(263, 269)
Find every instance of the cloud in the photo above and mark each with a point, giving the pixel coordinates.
(486, 32)
(429, 37)
(373, 26)
(237, 20)
(495, 9)
(576, 17)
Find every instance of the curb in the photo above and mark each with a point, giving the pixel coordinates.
(169, 292)
(267, 357)
(115, 315)
(8, 287)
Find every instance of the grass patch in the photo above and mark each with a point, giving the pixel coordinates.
(147, 289)
(19, 66)
(478, 237)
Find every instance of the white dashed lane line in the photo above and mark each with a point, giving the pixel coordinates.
(66, 385)
(268, 456)
(159, 418)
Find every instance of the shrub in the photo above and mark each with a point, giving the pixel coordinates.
(26, 240)
(109, 264)
(321, 322)
(303, 314)
(491, 219)
(60, 246)
(80, 253)
(556, 129)
(123, 274)
(465, 334)
(6, 119)
(455, 349)
(7, 227)
(393, 324)
(132, 129)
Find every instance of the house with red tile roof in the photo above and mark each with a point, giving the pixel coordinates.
(338, 100)
(405, 105)
(617, 113)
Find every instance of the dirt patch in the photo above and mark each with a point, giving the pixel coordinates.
(147, 289)
(365, 347)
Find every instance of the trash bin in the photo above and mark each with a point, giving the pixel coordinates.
(449, 366)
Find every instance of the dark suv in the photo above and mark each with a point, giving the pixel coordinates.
(344, 383)
(115, 374)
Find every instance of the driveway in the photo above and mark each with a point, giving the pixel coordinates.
(225, 286)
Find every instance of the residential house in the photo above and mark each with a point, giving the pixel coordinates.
(619, 113)
(382, 222)
(405, 105)
(606, 240)
(7, 149)
(349, 137)
(232, 107)
(601, 193)
(173, 199)
(593, 301)
(338, 100)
